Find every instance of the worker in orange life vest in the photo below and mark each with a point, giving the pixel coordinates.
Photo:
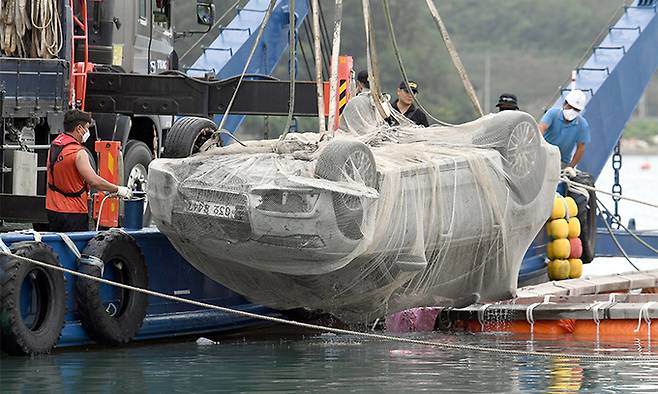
(70, 175)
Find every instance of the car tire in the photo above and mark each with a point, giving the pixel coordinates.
(516, 136)
(186, 136)
(337, 161)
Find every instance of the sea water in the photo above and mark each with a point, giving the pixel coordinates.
(276, 361)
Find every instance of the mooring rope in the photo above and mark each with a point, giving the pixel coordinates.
(615, 195)
(335, 330)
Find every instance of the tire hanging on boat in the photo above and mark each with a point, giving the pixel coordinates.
(111, 315)
(586, 202)
(32, 300)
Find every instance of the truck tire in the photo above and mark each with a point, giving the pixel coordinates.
(136, 159)
(186, 136)
(338, 160)
(33, 300)
(106, 322)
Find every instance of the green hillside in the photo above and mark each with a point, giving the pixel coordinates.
(532, 47)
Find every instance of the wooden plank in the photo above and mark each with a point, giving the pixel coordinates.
(593, 285)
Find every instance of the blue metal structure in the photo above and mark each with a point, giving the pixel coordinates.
(168, 273)
(615, 77)
(227, 55)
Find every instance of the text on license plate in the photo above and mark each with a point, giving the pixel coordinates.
(211, 209)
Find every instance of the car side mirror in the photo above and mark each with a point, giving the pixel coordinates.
(205, 13)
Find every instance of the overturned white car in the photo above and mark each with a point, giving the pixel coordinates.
(363, 224)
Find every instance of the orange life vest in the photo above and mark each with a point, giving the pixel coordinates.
(67, 191)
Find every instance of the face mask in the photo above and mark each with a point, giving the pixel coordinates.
(85, 136)
(570, 114)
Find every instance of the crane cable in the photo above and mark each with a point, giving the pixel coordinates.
(454, 56)
(398, 57)
(217, 23)
(372, 60)
(292, 66)
(317, 56)
(216, 137)
(333, 80)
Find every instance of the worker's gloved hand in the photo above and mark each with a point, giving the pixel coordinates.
(569, 171)
(124, 192)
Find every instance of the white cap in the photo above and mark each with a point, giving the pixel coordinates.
(577, 99)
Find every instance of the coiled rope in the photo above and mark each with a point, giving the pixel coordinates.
(510, 352)
(34, 31)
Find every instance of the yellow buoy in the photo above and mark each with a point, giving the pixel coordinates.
(559, 208)
(558, 228)
(575, 268)
(574, 227)
(561, 248)
(572, 207)
(558, 269)
(549, 251)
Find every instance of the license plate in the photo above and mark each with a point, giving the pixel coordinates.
(211, 209)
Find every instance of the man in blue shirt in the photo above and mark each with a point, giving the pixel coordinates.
(566, 129)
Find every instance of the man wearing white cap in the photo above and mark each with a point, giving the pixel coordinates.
(566, 129)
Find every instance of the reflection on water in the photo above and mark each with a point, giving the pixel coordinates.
(348, 363)
(331, 363)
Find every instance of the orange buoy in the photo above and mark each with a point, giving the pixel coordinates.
(576, 248)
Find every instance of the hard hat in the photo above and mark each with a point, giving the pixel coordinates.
(577, 99)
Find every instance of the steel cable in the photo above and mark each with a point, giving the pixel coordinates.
(219, 20)
(403, 73)
(292, 66)
(214, 140)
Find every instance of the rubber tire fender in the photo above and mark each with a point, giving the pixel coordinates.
(15, 337)
(187, 135)
(586, 216)
(334, 162)
(113, 247)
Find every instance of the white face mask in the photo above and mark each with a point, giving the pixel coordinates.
(570, 114)
(85, 136)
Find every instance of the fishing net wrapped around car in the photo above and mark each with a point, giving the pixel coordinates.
(377, 219)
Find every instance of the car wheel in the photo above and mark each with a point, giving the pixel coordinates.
(516, 136)
(344, 159)
(187, 135)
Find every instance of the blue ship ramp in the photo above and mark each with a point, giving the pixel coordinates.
(614, 78)
(227, 54)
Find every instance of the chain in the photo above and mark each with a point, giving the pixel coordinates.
(616, 187)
